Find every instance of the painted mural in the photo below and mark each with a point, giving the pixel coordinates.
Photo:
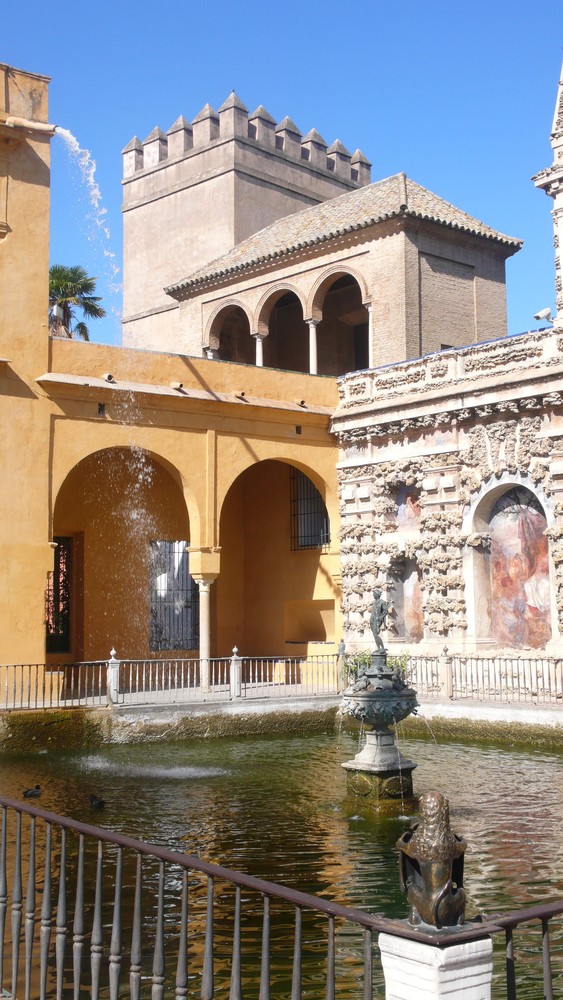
(519, 569)
(407, 603)
(408, 508)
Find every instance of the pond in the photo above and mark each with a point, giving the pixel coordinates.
(274, 808)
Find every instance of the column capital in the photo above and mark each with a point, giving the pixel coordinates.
(204, 562)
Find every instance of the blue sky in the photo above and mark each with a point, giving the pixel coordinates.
(461, 97)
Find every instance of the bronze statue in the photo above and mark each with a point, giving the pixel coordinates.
(378, 617)
(431, 866)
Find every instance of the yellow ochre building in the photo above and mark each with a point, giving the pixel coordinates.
(185, 493)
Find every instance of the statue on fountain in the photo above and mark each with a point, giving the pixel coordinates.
(431, 866)
(378, 618)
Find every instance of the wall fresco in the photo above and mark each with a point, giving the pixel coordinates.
(519, 569)
(408, 508)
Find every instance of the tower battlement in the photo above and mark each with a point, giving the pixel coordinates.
(185, 139)
(192, 193)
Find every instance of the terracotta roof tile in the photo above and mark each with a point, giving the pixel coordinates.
(389, 198)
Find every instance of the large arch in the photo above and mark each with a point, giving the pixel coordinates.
(274, 595)
(113, 506)
(337, 306)
(510, 596)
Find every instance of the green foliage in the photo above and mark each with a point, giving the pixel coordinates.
(357, 663)
(71, 287)
(399, 662)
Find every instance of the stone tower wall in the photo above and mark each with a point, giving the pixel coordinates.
(193, 193)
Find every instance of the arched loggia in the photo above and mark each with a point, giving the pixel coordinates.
(342, 325)
(229, 336)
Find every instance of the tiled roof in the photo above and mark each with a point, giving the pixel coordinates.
(386, 199)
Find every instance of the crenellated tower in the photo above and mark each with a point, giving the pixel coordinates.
(551, 180)
(192, 193)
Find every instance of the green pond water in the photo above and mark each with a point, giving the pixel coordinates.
(274, 808)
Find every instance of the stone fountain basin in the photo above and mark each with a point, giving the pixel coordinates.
(379, 708)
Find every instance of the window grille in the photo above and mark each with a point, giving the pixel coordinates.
(174, 598)
(58, 599)
(310, 526)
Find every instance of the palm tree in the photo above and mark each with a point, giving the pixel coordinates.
(70, 287)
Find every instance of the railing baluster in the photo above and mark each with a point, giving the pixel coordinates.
(78, 922)
(17, 905)
(235, 992)
(115, 944)
(96, 940)
(135, 969)
(181, 990)
(368, 965)
(46, 917)
(3, 895)
(330, 962)
(158, 955)
(546, 956)
(510, 970)
(265, 958)
(207, 976)
(30, 911)
(296, 974)
(60, 930)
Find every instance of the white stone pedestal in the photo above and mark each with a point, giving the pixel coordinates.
(415, 971)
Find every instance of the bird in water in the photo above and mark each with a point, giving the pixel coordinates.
(32, 793)
(96, 803)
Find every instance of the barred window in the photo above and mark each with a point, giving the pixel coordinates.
(310, 526)
(58, 599)
(174, 598)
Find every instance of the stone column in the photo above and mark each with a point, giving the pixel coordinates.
(416, 971)
(313, 346)
(371, 352)
(204, 586)
(204, 564)
(259, 340)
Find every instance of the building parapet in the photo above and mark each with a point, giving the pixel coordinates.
(453, 373)
(233, 121)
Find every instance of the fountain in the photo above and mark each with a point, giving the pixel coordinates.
(379, 776)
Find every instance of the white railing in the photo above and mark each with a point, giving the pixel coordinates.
(144, 682)
(165, 681)
(508, 679)
(523, 679)
(35, 685)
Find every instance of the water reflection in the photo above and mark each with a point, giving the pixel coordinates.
(273, 808)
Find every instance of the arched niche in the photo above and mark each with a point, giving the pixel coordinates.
(114, 505)
(342, 325)
(407, 613)
(510, 593)
(229, 335)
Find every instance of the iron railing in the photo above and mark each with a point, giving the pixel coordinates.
(532, 680)
(36, 685)
(166, 681)
(111, 906)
